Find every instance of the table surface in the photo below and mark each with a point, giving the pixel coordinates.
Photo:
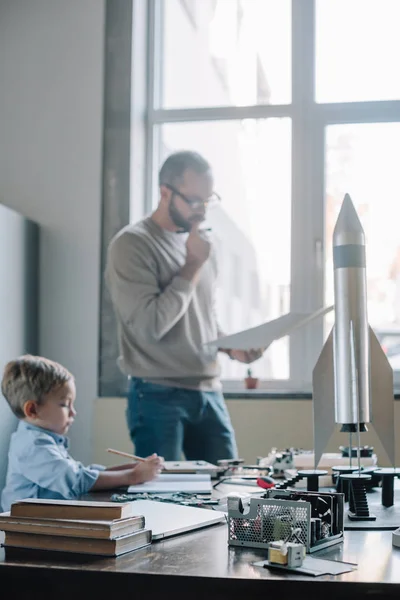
(205, 555)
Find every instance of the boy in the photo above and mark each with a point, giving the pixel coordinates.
(41, 393)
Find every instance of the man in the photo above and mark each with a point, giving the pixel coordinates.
(161, 273)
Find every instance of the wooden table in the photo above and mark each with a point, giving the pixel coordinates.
(201, 565)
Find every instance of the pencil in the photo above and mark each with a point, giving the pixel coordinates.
(138, 458)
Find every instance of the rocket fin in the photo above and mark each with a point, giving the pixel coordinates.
(323, 399)
(382, 397)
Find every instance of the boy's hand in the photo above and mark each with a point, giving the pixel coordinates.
(122, 467)
(147, 470)
(126, 475)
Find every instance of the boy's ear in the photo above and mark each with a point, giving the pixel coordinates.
(30, 409)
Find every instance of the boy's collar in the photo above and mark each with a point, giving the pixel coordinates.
(60, 439)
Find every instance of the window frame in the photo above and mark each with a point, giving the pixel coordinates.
(309, 120)
(156, 116)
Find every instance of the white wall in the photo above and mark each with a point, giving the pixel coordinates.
(51, 74)
(17, 309)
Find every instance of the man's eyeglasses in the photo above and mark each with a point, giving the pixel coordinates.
(194, 202)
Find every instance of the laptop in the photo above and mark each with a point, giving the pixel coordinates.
(166, 519)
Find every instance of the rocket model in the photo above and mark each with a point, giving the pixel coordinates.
(352, 379)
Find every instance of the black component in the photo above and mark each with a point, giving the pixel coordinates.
(375, 480)
(387, 476)
(387, 490)
(313, 532)
(358, 503)
(365, 451)
(353, 427)
(370, 484)
(342, 485)
(318, 531)
(327, 509)
(282, 485)
(312, 476)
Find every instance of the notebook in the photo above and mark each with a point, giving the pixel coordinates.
(166, 519)
(173, 483)
(38, 508)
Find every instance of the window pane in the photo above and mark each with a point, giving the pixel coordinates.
(362, 160)
(251, 162)
(226, 52)
(357, 50)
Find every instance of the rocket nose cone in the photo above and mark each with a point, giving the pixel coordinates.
(348, 228)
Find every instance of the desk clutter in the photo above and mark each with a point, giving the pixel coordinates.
(95, 528)
(290, 514)
(371, 492)
(183, 498)
(98, 528)
(313, 519)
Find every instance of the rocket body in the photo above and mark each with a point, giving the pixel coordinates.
(352, 379)
(351, 329)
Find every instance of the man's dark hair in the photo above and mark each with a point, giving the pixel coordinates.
(176, 164)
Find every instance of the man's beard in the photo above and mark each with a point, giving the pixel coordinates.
(178, 220)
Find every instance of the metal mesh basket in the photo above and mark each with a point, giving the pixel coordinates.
(267, 521)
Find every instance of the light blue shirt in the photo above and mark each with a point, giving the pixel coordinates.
(39, 466)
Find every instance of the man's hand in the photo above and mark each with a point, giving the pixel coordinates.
(246, 356)
(197, 252)
(197, 247)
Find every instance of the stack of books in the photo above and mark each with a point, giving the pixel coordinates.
(96, 528)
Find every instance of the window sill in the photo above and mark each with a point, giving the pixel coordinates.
(273, 395)
(266, 395)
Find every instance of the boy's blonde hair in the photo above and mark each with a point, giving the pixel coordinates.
(31, 378)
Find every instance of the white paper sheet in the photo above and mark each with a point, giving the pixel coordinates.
(164, 483)
(263, 335)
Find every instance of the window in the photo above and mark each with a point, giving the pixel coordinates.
(294, 103)
(236, 48)
(357, 50)
(251, 163)
(238, 55)
(282, 136)
(362, 159)
(190, 8)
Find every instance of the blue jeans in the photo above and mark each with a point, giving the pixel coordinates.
(171, 421)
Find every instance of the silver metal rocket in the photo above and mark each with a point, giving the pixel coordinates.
(352, 379)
